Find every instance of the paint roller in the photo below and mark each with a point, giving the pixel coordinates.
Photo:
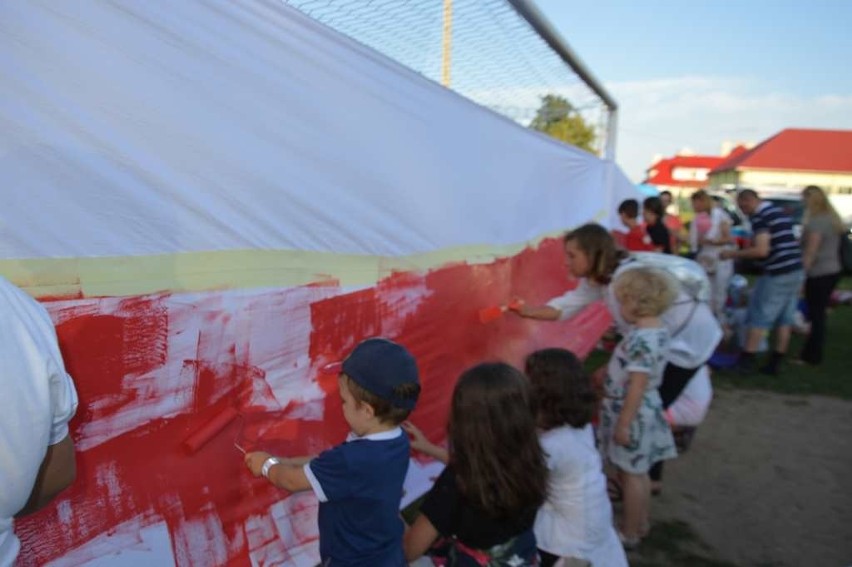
(488, 314)
(209, 430)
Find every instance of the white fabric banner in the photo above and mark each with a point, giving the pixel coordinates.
(134, 128)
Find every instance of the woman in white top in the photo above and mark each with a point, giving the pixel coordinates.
(576, 519)
(709, 234)
(592, 258)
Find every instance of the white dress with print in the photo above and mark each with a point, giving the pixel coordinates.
(642, 350)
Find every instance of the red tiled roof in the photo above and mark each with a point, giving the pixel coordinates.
(664, 170)
(798, 150)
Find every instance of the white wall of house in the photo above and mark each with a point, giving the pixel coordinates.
(840, 183)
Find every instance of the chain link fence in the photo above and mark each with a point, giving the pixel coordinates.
(485, 50)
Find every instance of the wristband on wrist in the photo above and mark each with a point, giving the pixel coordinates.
(268, 464)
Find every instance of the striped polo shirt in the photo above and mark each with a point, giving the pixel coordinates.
(784, 252)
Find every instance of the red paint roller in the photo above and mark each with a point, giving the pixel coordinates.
(210, 429)
(488, 314)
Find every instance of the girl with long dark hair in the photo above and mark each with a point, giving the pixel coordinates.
(484, 504)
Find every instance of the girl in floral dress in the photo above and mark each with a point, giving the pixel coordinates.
(634, 433)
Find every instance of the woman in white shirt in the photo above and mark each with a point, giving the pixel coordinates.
(593, 259)
(709, 234)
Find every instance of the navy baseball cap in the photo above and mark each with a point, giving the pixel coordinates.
(379, 365)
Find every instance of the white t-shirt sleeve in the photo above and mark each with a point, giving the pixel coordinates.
(577, 299)
(63, 400)
(63, 394)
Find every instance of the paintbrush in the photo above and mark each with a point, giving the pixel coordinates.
(488, 314)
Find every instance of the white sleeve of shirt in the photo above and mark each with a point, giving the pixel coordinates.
(63, 400)
(63, 394)
(577, 299)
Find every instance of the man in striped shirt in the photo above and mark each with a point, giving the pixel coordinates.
(776, 293)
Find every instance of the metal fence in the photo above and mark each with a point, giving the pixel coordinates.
(501, 54)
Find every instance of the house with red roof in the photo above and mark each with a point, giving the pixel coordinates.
(685, 171)
(791, 159)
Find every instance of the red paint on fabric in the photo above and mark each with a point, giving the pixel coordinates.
(151, 370)
(327, 381)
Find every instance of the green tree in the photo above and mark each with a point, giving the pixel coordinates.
(557, 117)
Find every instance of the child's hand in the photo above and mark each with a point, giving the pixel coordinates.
(622, 435)
(420, 443)
(516, 305)
(418, 440)
(254, 461)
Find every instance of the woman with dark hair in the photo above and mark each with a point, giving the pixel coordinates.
(576, 519)
(483, 506)
(592, 258)
(653, 213)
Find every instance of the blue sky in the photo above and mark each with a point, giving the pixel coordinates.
(694, 74)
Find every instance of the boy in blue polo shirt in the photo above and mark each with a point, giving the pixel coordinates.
(359, 483)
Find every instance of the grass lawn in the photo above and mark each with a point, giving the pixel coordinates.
(832, 378)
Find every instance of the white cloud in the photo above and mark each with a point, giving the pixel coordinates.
(662, 116)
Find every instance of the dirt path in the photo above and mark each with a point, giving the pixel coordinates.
(768, 481)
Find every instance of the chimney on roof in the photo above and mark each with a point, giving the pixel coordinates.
(728, 146)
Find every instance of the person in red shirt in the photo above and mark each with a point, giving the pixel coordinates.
(636, 238)
(672, 222)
